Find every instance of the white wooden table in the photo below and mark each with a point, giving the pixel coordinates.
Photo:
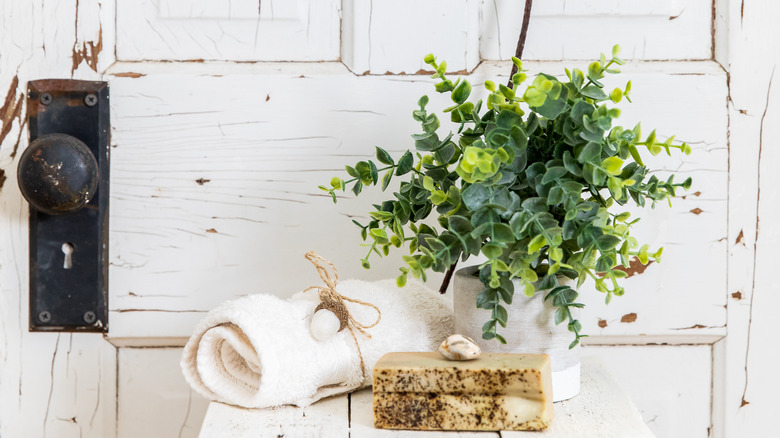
(601, 410)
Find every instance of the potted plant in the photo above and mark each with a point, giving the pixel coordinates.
(531, 180)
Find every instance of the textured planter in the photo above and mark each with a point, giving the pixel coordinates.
(531, 329)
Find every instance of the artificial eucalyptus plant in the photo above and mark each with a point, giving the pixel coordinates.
(531, 180)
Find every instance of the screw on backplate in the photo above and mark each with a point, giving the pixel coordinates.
(89, 317)
(44, 316)
(46, 98)
(90, 100)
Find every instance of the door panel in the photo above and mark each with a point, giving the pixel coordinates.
(227, 30)
(215, 193)
(646, 30)
(215, 166)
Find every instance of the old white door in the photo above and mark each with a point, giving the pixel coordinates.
(227, 114)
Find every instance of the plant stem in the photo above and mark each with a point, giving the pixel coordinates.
(447, 277)
(521, 40)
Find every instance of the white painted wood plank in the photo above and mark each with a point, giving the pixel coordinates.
(51, 385)
(327, 418)
(154, 400)
(299, 30)
(373, 43)
(670, 385)
(179, 247)
(362, 423)
(600, 410)
(751, 387)
(651, 30)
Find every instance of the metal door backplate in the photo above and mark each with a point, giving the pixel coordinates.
(74, 299)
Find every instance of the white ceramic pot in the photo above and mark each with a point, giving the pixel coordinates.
(530, 329)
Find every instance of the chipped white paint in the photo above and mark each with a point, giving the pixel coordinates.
(210, 241)
(230, 30)
(560, 29)
(393, 36)
(51, 385)
(155, 400)
(328, 418)
(671, 387)
(751, 353)
(215, 167)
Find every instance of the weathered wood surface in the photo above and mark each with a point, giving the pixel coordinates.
(210, 182)
(51, 385)
(560, 29)
(153, 399)
(232, 30)
(749, 398)
(328, 418)
(601, 410)
(208, 202)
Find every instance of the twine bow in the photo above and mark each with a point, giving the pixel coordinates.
(335, 302)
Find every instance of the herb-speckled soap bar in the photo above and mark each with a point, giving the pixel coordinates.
(424, 391)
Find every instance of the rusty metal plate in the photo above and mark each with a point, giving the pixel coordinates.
(69, 251)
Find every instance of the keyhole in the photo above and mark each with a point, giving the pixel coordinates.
(67, 249)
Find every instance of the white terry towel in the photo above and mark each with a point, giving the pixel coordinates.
(258, 352)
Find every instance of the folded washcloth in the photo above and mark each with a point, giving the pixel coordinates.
(258, 352)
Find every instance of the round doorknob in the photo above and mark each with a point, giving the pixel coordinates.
(57, 174)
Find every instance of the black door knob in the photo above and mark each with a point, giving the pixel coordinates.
(57, 174)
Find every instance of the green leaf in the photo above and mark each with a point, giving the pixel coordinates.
(380, 215)
(460, 225)
(357, 188)
(502, 233)
(570, 164)
(577, 77)
(535, 205)
(607, 242)
(555, 196)
(405, 164)
(537, 243)
(386, 179)
(560, 315)
(604, 263)
(635, 154)
(500, 315)
(591, 153)
(428, 184)
(616, 95)
(373, 172)
(492, 250)
(475, 195)
(551, 108)
(553, 173)
(594, 92)
(426, 142)
(383, 157)
(352, 172)
(612, 165)
(438, 197)
(380, 236)
(461, 92)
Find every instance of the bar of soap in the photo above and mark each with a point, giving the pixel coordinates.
(424, 391)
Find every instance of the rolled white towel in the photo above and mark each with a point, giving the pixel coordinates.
(258, 351)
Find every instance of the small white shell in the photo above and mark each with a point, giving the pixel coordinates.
(459, 347)
(324, 324)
